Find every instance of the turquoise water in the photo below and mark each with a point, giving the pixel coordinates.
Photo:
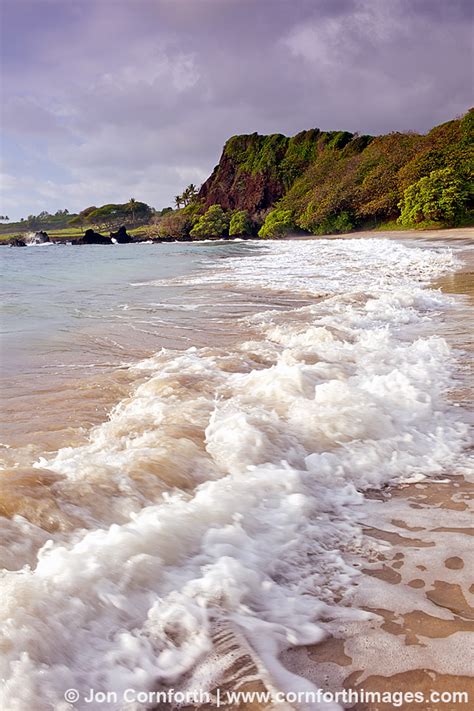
(96, 304)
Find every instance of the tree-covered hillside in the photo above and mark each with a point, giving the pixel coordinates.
(255, 171)
(44, 221)
(323, 182)
(316, 182)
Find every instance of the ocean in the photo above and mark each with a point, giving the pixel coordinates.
(193, 437)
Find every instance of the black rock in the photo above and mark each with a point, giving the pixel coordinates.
(91, 237)
(39, 238)
(121, 236)
(15, 242)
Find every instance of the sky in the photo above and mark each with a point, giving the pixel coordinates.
(103, 100)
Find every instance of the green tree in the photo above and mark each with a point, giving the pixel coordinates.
(276, 224)
(107, 217)
(439, 197)
(83, 217)
(240, 224)
(189, 194)
(213, 224)
(114, 215)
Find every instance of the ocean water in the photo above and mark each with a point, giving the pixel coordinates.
(53, 294)
(192, 431)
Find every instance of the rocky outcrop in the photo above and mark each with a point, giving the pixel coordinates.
(255, 171)
(121, 236)
(233, 188)
(17, 242)
(91, 237)
(40, 237)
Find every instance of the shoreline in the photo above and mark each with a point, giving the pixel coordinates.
(437, 233)
(422, 550)
(413, 585)
(453, 233)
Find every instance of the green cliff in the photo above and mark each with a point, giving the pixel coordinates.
(327, 182)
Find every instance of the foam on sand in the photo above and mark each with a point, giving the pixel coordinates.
(226, 488)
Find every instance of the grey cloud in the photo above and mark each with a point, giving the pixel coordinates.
(133, 97)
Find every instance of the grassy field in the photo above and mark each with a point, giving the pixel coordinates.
(67, 234)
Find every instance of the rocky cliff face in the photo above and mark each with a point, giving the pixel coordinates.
(234, 189)
(255, 171)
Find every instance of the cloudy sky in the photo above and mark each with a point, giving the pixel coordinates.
(103, 100)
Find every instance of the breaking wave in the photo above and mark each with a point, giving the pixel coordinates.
(218, 499)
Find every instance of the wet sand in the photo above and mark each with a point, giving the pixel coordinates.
(416, 584)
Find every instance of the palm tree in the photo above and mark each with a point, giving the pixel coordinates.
(191, 192)
(131, 206)
(185, 197)
(178, 200)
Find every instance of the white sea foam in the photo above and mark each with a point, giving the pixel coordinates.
(236, 480)
(161, 306)
(340, 266)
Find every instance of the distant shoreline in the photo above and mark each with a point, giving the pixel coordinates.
(434, 233)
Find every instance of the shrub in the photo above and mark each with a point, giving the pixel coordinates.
(213, 224)
(277, 223)
(175, 225)
(439, 197)
(334, 224)
(240, 224)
